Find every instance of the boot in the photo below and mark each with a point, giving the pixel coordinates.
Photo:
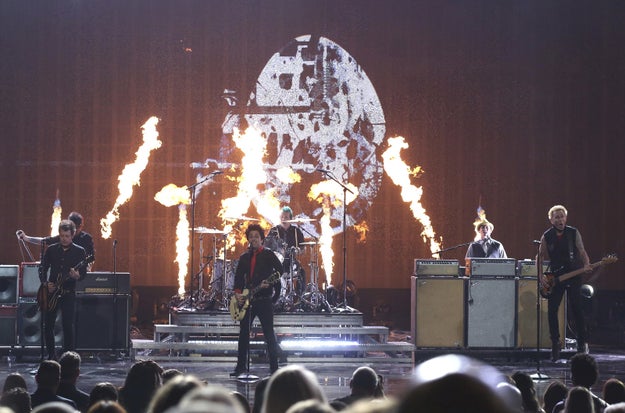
(555, 350)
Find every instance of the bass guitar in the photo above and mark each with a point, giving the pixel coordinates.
(48, 300)
(551, 279)
(237, 311)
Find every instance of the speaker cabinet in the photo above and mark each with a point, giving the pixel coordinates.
(29, 324)
(96, 316)
(491, 312)
(437, 308)
(29, 279)
(8, 284)
(8, 318)
(526, 313)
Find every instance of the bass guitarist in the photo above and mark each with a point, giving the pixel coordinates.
(562, 245)
(61, 259)
(255, 267)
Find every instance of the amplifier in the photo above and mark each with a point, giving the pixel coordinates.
(29, 279)
(527, 268)
(104, 283)
(436, 267)
(8, 284)
(502, 267)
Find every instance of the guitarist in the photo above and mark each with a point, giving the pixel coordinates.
(60, 258)
(562, 245)
(254, 268)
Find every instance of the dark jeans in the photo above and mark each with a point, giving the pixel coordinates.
(263, 309)
(67, 306)
(575, 303)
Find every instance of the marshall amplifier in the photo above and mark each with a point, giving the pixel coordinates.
(104, 283)
(435, 267)
(491, 267)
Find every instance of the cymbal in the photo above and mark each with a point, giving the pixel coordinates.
(242, 218)
(308, 243)
(204, 230)
(300, 220)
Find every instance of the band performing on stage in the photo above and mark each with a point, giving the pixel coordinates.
(279, 273)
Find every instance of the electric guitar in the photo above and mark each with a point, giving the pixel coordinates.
(237, 311)
(48, 300)
(550, 279)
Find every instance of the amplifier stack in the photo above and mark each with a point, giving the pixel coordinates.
(102, 309)
(490, 303)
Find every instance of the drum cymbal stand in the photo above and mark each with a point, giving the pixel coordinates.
(314, 298)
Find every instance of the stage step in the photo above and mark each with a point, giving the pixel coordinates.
(182, 333)
(212, 335)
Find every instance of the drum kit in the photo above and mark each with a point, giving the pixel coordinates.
(295, 293)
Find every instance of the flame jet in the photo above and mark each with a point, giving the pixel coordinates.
(131, 175)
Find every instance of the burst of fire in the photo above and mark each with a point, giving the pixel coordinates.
(329, 194)
(400, 174)
(361, 230)
(252, 176)
(56, 216)
(288, 176)
(131, 175)
(481, 216)
(172, 195)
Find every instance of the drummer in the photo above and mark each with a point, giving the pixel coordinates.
(291, 237)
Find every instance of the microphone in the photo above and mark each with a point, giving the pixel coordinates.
(216, 172)
(325, 171)
(536, 242)
(114, 243)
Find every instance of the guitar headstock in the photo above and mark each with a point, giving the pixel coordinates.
(609, 259)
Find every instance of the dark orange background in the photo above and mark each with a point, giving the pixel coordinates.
(521, 104)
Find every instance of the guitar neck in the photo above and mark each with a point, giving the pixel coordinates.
(577, 272)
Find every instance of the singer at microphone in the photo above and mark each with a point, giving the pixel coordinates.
(484, 246)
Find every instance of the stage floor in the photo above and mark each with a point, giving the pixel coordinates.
(333, 377)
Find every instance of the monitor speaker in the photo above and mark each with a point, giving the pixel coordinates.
(8, 284)
(29, 324)
(526, 310)
(102, 322)
(491, 312)
(29, 279)
(8, 318)
(437, 308)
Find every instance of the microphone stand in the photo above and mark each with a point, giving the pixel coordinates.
(115, 317)
(466, 244)
(539, 264)
(44, 311)
(191, 189)
(345, 189)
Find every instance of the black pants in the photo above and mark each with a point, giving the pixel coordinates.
(575, 303)
(263, 309)
(67, 306)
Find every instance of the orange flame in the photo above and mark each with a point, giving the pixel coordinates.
(56, 216)
(131, 175)
(252, 177)
(329, 194)
(400, 174)
(288, 176)
(361, 230)
(172, 195)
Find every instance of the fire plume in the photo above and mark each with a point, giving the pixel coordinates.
(362, 230)
(400, 174)
(252, 177)
(329, 194)
(172, 195)
(56, 216)
(131, 175)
